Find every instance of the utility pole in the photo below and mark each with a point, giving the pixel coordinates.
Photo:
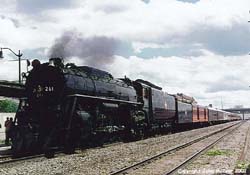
(221, 102)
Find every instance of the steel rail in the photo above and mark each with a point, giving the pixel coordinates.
(246, 144)
(175, 148)
(195, 155)
(12, 160)
(242, 157)
(19, 159)
(5, 156)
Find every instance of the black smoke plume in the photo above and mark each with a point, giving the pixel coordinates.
(95, 51)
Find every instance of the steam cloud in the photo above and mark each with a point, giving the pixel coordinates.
(95, 51)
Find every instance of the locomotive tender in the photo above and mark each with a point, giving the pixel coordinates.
(65, 106)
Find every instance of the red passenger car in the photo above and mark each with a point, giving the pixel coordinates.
(200, 114)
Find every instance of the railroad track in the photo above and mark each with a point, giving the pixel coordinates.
(242, 167)
(8, 159)
(5, 159)
(142, 164)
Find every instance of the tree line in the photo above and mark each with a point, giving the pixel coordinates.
(8, 106)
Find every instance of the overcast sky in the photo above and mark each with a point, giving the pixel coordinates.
(196, 47)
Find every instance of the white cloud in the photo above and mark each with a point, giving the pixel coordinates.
(209, 29)
(9, 69)
(159, 21)
(138, 46)
(205, 77)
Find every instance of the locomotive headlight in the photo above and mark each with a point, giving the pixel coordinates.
(38, 91)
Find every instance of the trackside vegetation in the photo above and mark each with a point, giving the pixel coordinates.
(8, 106)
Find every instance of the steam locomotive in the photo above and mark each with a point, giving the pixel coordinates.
(65, 106)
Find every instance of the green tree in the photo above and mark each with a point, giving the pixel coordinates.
(8, 106)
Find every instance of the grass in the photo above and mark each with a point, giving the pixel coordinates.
(242, 165)
(216, 152)
(2, 142)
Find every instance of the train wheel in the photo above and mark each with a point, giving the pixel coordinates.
(50, 154)
(127, 135)
(69, 145)
(72, 137)
(17, 143)
(138, 134)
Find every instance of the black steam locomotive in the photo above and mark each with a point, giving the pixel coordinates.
(66, 106)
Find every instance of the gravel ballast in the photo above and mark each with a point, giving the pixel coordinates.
(223, 157)
(108, 159)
